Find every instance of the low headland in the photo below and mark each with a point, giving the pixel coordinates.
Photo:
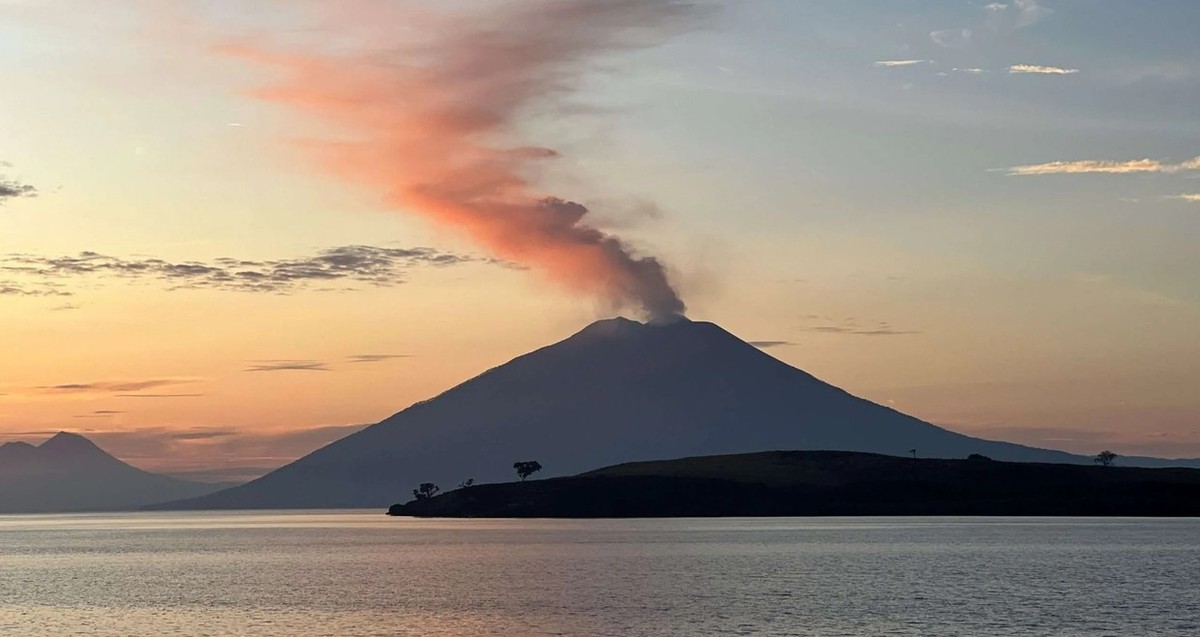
(827, 483)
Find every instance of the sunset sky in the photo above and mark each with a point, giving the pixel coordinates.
(232, 232)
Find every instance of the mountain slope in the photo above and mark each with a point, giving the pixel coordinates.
(617, 391)
(70, 473)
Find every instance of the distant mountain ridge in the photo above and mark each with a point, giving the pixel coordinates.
(615, 392)
(68, 472)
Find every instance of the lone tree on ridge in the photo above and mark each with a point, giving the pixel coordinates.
(1105, 458)
(426, 490)
(526, 469)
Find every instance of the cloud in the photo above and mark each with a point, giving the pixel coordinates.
(1001, 19)
(971, 70)
(201, 435)
(13, 288)
(113, 386)
(12, 189)
(1038, 69)
(159, 395)
(1094, 166)
(374, 358)
(1029, 12)
(770, 344)
(1017, 14)
(851, 327)
(1190, 198)
(101, 413)
(895, 63)
(838, 329)
(952, 38)
(429, 117)
(370, 265)
(283, 365)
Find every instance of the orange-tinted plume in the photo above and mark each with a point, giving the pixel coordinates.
(426, 110)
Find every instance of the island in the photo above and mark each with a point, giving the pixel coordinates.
(827, 483)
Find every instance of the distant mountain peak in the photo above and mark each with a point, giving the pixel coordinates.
(17, 451)
(68, 472)
(71, 443)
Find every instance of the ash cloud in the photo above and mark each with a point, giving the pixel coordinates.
(429, 117)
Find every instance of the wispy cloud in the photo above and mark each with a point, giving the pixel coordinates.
(283, 365)
(851, 327)
(770, 344)
(1016, 14)
(879, 331)
(13, 189)
(952, 38)
(371, 265)
(1029, 12)
(14, 288)
(100, 413)
(1188, 197)
(1039, 69)
(159, 395)
(113, 386)
(1096, 166)
(374, 358)
(895, 63)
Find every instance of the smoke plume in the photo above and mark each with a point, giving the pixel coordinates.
(426, 107)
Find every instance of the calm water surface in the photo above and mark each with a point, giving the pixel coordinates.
(361, 573)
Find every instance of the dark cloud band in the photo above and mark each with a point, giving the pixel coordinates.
(12, 189)
(371, 265)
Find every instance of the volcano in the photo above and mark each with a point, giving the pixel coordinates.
(617, 391)
(68, 472)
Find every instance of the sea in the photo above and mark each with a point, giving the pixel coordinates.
(349, 573)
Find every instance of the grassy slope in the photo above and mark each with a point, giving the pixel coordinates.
(830, 483)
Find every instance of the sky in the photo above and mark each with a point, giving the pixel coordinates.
(231, 234)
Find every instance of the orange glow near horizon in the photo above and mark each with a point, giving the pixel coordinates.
(232, 232)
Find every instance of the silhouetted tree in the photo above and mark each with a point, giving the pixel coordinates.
(467, 483)
(426, 491)
(914, 453)
(977, 456)
(1105, 458)
(526, 469)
